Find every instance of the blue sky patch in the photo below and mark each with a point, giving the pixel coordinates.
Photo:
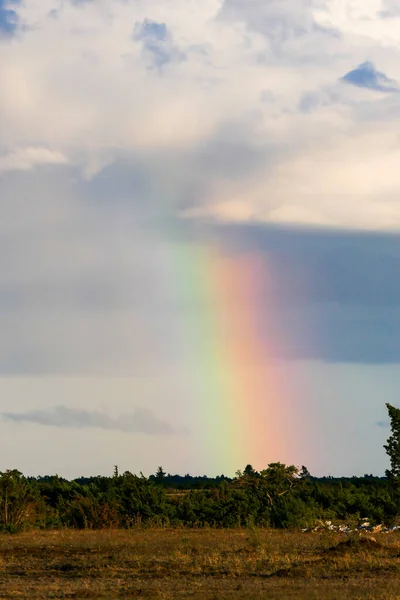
(157, 43)
(367, 76)
(8, 17)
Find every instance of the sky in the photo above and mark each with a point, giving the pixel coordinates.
(199, 234)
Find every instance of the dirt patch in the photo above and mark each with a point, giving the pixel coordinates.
(358, 544)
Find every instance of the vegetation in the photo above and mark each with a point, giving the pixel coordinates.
(393, 444)
(279, 496)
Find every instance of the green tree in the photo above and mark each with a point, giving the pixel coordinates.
(160, 474)
(18, 501)
(392, 446)
(249, 471)
(279, 480)
(304, 473)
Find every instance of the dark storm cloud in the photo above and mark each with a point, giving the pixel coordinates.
(336, 295)
(347, 268)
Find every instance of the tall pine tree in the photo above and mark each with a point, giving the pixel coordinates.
(392, 446)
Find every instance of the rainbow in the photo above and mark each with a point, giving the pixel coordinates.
(241, 399)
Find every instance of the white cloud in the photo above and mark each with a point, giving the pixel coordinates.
(389, 9)
(251, 66)
(24, 159)
(97, 148)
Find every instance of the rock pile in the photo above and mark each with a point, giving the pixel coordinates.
(364, 526)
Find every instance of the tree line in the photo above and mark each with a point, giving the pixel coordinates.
(278, 496)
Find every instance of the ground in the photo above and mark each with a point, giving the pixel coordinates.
(201, 564)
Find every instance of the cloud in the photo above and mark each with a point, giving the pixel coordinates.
(24, 159)
(348, 268)
(101, 287)
(384, 424)
(390, 10)
(252, 125)
(143, 420)
(284, 24)
(366, 76)
(104, 161)
(334, 295)
(8, 18)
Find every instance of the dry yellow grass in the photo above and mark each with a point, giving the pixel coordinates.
(204, 564)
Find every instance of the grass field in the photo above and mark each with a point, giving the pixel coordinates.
(203, 564)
